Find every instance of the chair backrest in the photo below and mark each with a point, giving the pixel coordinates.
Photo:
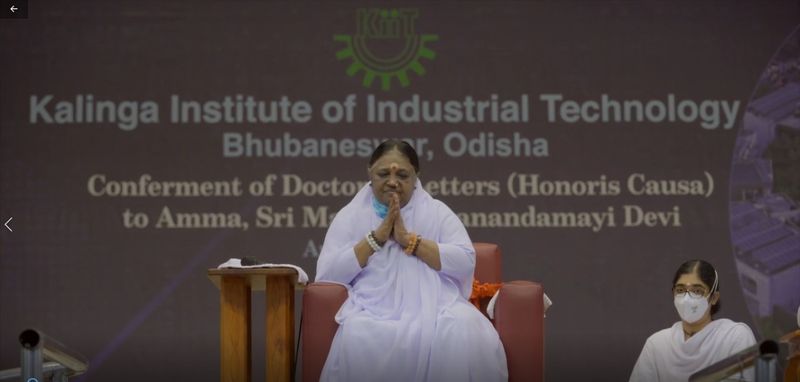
(488, 263)
(321, 301)
(519, 320)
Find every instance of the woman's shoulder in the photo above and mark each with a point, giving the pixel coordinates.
(357, 203)
(438, 205)
(350, 213)
(732, 327)
(663, 335)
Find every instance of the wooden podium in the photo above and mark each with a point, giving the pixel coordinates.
(792, 371)
(235, 286)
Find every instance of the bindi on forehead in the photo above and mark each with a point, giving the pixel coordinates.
(392, 162)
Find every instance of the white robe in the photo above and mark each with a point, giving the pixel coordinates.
(402, 320)
(666, 357)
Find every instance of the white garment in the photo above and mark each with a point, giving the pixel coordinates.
(666, 357)
(402, 320)
(234, 263)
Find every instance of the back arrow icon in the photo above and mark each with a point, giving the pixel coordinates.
(9, 221)
(13, 9)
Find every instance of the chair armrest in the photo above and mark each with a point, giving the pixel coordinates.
(488, 263)
(321, 301)
(519, 320)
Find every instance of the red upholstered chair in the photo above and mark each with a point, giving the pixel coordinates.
(518, 318)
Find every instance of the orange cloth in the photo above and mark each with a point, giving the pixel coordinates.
(792, 371)
(482, 290)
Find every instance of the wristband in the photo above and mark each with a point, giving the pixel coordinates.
(372, 242)
(416, 245)
(412, 245)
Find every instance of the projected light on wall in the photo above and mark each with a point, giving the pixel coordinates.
(765, 195)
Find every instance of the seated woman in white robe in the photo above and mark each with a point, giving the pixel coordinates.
(408, 264)
(697, 341)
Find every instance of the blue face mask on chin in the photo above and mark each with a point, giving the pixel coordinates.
(380, 208)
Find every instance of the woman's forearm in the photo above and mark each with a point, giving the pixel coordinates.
(428, 252)
(363, 252)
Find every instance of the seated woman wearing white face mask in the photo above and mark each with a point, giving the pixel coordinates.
(696, 341)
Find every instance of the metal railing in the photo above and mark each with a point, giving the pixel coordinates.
(44, 359)
(763, 356)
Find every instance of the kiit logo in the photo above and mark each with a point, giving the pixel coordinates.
(386, 46)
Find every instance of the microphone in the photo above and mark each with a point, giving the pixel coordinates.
(248, 260)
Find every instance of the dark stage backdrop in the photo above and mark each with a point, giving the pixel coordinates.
(600, 143)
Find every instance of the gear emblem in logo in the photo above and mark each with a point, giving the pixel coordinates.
(386, 47)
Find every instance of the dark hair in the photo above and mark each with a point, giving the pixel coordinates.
(707, 274)
(395, 144)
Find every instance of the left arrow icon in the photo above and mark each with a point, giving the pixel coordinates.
(13, 9)
(9, 221)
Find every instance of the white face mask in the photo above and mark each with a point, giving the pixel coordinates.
(691, 309)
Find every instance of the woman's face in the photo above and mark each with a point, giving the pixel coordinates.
(692, 284)
(392, 174)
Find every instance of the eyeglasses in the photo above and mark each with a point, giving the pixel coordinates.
(694, 291)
